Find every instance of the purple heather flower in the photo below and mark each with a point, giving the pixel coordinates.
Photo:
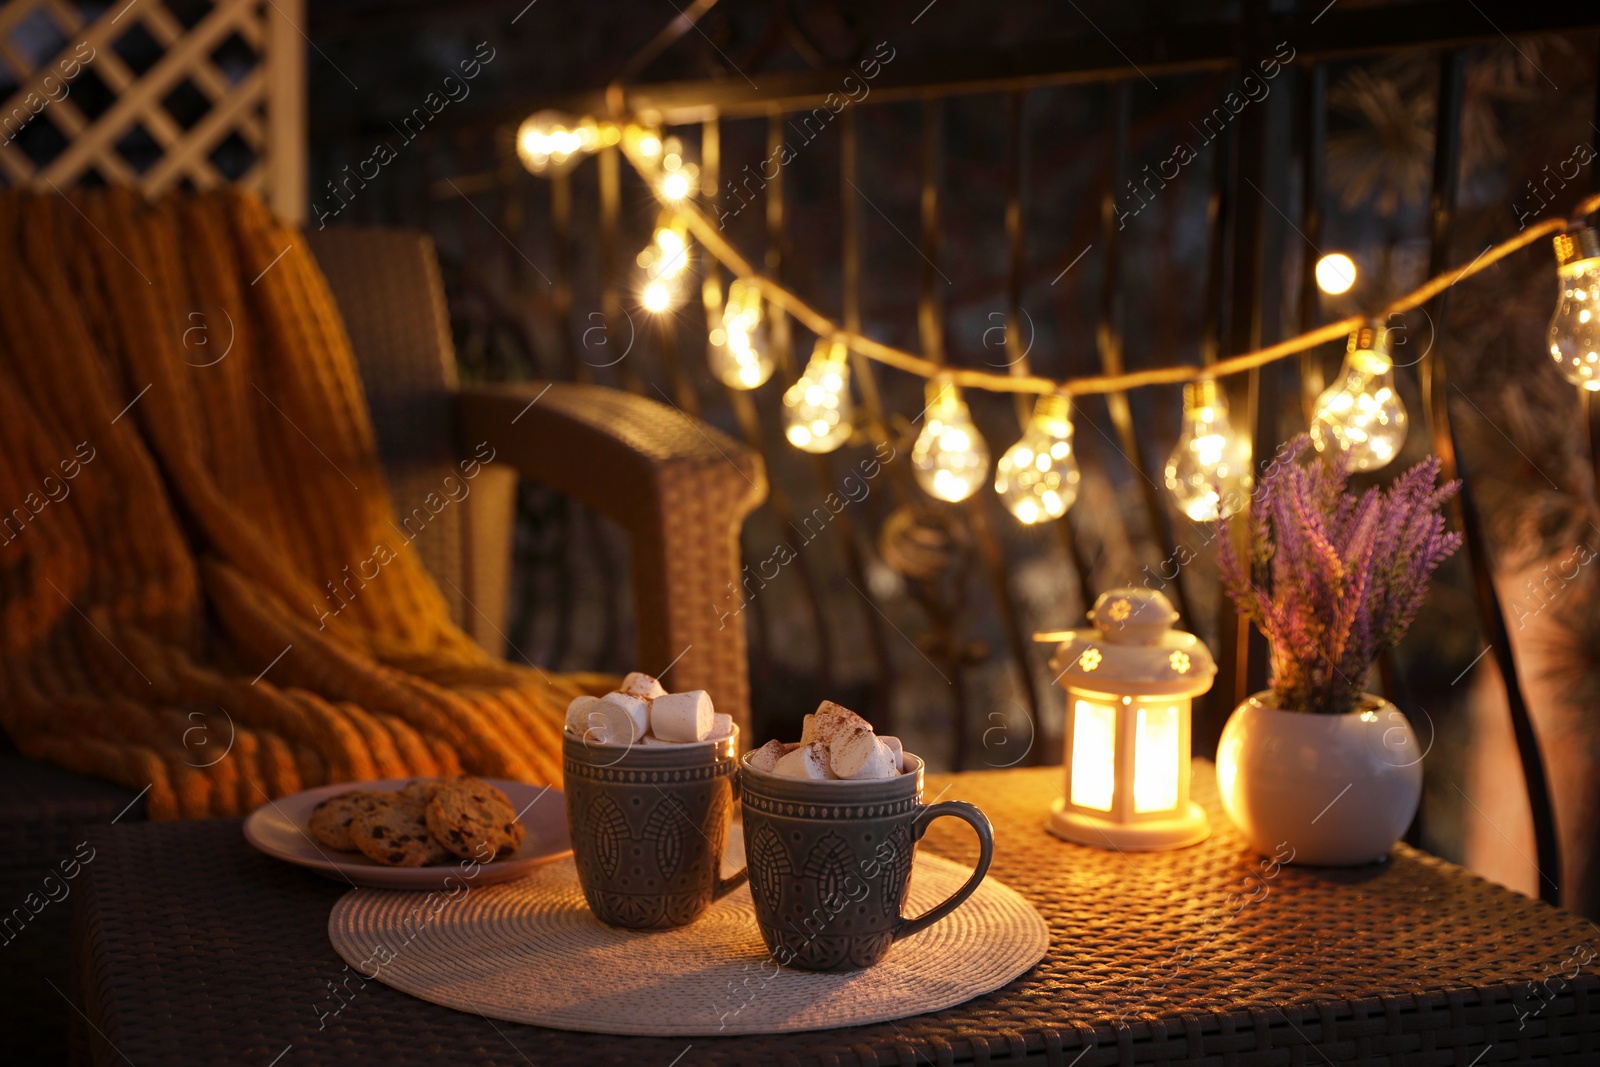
(1332, 579)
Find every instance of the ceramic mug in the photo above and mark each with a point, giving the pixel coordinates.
(648, 825)
(830, 863)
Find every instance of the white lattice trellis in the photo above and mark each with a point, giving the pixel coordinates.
(264, 105)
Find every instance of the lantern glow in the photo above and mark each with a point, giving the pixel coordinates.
(1129, 684)
(1094, 733)
(1156, 754)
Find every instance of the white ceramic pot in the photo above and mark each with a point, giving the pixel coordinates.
(1337, 789)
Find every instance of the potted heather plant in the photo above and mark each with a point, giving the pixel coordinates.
(1316, 763)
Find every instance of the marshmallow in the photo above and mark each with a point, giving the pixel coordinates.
(808, 729)
(614, 719)
(641, 685)
(578, 713)
(767, 756)
(682, 716)
(850, 749)
(807, 761)
(829, 721)
(721, 725)
(609, 731)
(828, 707)
(859, 755)
(637, 711)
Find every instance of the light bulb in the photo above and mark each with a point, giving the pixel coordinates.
(1209, 471)
(678, 176)
(1574, 334)
(675, 186)
(818, 414)
(658, 296)
(950, 458)
(642, 141)
(663, 262)
(667, 254)
(674, 248)
(549, 142)
(1038, 476)
(1336, 273)
(1361, 412)
(738, 354)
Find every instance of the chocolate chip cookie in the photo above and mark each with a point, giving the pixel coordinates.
(422, 790)
(394, 832)
(330, 820)
(474, 820)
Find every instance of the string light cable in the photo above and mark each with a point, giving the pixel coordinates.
(706, 233)
(1209, 471)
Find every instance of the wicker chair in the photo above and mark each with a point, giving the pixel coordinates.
(680, 489)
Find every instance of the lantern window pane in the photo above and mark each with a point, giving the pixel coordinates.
(1094, 749)
(1156, 759)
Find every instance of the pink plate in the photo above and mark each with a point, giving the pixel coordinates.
(280, 828)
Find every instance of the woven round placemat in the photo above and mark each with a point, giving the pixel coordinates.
(530, 952)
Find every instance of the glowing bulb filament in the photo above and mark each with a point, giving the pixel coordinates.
(950, 459)
(658, 296)
(663, 263)
(1360, 413)
(550, 142)
(1573, 337)
(678, 177)
(818, 413)
(1336, 273)
(1209, 472)
(1038, 476)
(738, 354)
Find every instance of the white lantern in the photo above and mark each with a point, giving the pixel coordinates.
(1129, 684)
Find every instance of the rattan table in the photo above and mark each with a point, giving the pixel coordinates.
(191, 948)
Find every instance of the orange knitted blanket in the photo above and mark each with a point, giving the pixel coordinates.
(165, 525)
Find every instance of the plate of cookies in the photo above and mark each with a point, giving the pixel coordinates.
(414, 833)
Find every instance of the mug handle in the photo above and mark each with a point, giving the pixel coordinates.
(727, 885)
(970, 814)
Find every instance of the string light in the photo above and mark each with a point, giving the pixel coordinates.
(738, 354)
(818, 413)
(642, 141)
(641, 152)
(950, 458)
(549, 142)
(1361, 413)
(1574, 334)
(678, 177)
(659, 296)
(1038, 476)
(1209, 471)
(1336, 273)
(664, 261)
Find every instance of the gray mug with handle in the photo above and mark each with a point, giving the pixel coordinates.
(648, 824)
(830, 863)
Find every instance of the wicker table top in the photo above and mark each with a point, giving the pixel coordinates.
(191, 948)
